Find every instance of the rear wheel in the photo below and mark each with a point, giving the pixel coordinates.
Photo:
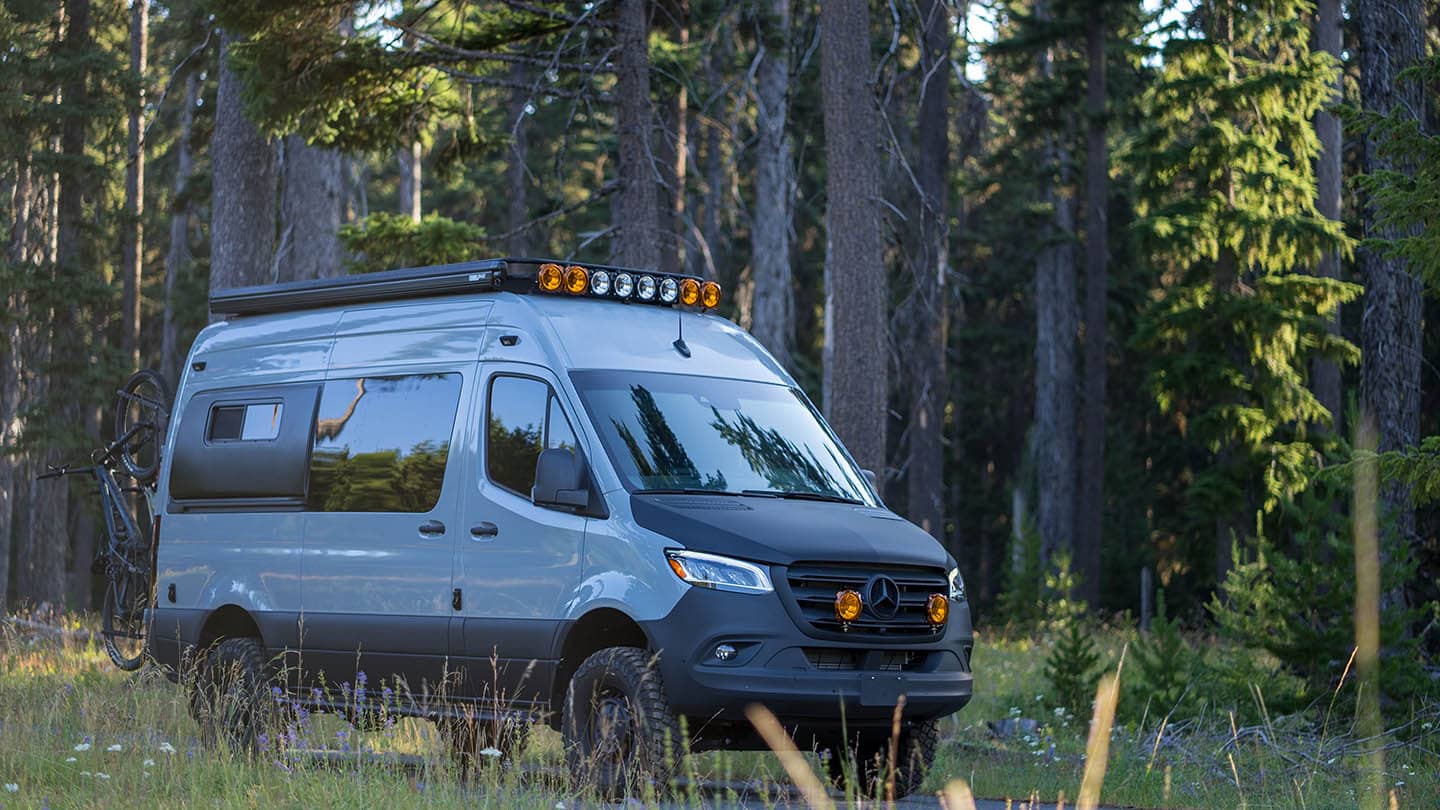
(142, 414)
(233, 700)
(865, 757)
(123, 619)
(618, 728)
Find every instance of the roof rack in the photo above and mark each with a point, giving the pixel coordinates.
(386, 285)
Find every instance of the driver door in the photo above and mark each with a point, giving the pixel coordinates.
(517, 563)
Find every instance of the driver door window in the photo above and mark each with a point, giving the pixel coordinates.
(523, 417)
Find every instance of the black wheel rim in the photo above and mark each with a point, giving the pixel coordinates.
(612, 729)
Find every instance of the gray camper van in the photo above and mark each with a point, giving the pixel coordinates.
(517, 491)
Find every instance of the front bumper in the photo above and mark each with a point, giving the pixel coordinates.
(806, 681)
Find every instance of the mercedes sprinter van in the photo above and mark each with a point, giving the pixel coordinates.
(506, 491)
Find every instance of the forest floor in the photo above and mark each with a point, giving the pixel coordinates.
(76, 732)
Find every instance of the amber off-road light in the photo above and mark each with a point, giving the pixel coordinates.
(937, 608)
(577, 279)
(550, 277)
(847, 605)
(689, 292)
(710, 295)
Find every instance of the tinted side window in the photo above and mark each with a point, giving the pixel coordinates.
(515, 431)
(558, 432)
(381, 443)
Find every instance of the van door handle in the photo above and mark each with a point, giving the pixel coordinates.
(432, 528)
(486, 529)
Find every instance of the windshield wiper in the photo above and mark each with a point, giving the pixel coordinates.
(799, 496)
(685, 491)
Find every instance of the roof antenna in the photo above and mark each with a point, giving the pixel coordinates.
(679, 343)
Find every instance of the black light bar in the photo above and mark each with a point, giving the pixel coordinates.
(410, 282)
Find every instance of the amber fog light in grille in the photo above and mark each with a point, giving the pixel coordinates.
(847, 605)
(937, 608)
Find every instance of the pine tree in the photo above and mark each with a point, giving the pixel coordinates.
(1224, 168)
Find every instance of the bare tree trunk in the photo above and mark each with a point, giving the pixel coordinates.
(1225, 282)
(177, 258)
(11, 371)
(1056, 322)
(516, 181)
(772, 309)
(1391, 40)
(1325, 374)
(856, 352)
(1090, 507)
(311, 199)
(670, 145)
(409, 191)
(925, 480)
(637, 245)
(242, 229)
(135, 185)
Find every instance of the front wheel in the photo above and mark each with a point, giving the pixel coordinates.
(618, 728)
(123, 620)
(866, 757)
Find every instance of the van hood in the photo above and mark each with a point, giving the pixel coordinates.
(783, 531)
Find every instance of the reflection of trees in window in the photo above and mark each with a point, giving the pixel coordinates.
(512, 453)
(379, 481)
(778, 460)
(385, 477)
(667, 463)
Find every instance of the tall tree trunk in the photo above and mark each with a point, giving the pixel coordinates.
(925, 481)
(242, 229)
(1391, 40)
(671, 148)
(772, 309)
(516, 180)
(1056, 322)
(1090, 507)
(638, 244)
(1325, 374)
(311, 203)
(178, 257)
(135, 185)
(409, 190)
(856, 353)
(11, 369)
(1225, 282)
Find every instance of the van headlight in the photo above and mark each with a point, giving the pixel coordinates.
(957, 586)
(717, 572)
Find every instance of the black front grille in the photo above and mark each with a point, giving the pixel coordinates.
(827, 658)
(813, 587)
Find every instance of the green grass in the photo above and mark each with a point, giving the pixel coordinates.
(55, 697)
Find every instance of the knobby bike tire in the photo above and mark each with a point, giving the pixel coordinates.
(123, 618)
(140, 457)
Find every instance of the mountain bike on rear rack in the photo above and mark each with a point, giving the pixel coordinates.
(126, 558)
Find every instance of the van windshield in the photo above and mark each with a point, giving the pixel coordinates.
(675, 432)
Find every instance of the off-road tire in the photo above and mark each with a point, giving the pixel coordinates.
(613, 687)
(867, 757)
(232, 700)
(466, 737)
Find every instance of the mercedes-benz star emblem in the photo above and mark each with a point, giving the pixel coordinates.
(882, 596)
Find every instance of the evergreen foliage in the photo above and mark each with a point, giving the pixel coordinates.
(1226, 203)
(387, 241)
(1160, 667)
(1073, 669)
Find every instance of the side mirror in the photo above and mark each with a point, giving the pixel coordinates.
(870, 476)
(560, 480)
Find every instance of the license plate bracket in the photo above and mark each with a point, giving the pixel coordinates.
(881, 690)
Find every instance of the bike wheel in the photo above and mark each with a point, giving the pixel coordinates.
(142, 414)
(123, 620)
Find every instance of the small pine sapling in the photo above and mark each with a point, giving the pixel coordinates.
(1073, 669)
